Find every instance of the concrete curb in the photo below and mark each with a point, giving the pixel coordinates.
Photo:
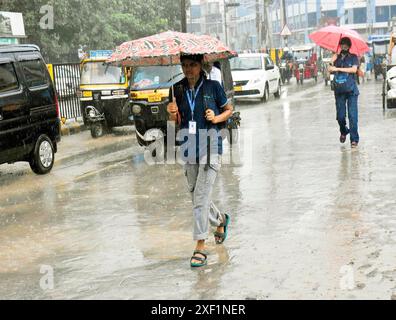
(70, 128)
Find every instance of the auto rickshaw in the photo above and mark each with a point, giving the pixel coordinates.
(104, 93)
(305, 60)
(380, 45)
(326, 56)
(389, 84)
(149, 92)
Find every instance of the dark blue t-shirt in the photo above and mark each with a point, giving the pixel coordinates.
(211, 96)
(348, 61)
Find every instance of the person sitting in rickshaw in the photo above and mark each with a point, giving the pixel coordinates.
(287, 55)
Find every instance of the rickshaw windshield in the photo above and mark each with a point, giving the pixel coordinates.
(380, 48)
(302, 55)
(101, 73)
(246, 63)
(153, 77)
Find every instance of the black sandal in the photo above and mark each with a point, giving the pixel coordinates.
(223, 235)
(204, 261)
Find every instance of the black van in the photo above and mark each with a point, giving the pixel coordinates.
(29, 109)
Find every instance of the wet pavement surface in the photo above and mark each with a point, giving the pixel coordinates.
(311, 218)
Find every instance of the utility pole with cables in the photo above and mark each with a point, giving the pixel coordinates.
(183, 16)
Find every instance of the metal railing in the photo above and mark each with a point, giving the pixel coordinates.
(67, 83)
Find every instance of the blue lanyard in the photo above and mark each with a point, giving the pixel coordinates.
(192, 99)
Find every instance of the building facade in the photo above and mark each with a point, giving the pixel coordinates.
(368, 17)
(236, 23)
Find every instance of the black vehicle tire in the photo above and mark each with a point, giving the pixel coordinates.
(265, 94)
(42, 157)
(277, 94)
(384, 95)
(98, 129)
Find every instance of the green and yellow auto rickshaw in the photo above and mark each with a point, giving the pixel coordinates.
(104, 94)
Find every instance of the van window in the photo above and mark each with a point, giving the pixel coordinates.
(8, 78)
(35, 73)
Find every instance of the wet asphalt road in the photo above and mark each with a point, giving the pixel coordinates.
(311, 218)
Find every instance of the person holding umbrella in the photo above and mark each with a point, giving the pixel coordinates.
(345, 66)
(199, 104)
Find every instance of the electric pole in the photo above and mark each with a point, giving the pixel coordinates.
(183, 16)
(258, 24)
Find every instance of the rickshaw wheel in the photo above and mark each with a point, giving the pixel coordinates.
(97, 130)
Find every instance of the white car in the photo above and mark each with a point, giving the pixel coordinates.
(255, 76)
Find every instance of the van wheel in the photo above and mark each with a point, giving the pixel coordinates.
(265, 94)
(277, 94)
(97, 130)
(42, 158)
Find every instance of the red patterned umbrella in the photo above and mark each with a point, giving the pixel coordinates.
(165, 49)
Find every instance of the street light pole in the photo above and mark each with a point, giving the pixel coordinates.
(226, 5)
(225, 23)
(183, 16)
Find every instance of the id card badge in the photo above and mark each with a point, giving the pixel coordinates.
(192, 127)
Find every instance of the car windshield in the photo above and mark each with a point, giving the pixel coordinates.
(101, 73)
(150, 77)
(301, 55)
(246, 63)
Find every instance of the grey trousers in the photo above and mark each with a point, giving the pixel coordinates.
(200, 184)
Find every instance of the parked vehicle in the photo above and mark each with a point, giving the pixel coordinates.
(150, 96)
(380, 46)
(389, 88)
(255, 76)
(305, 63)
(286, 70)
(29, 109)
(104, 94)
(325, 62)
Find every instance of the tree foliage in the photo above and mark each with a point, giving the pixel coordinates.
(93, 24)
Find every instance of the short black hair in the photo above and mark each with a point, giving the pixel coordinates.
(347, 41)
(194, 57)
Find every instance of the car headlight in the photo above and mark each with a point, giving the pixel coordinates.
(118, 92)
(136, 109)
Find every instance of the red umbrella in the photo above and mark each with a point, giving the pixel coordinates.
(166, 48)
(329, 38)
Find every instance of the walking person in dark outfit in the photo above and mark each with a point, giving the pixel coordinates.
(200, 105)
(345, 66)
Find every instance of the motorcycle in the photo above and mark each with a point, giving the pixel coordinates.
(285, 71)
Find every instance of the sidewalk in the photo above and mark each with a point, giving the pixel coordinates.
(72, 127)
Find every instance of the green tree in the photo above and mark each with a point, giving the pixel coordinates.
(95, 24)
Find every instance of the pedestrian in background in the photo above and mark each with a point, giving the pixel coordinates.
(345, 66)
(201, 104)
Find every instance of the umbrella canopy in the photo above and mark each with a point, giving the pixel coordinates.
(166, 48)
(329, 38)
